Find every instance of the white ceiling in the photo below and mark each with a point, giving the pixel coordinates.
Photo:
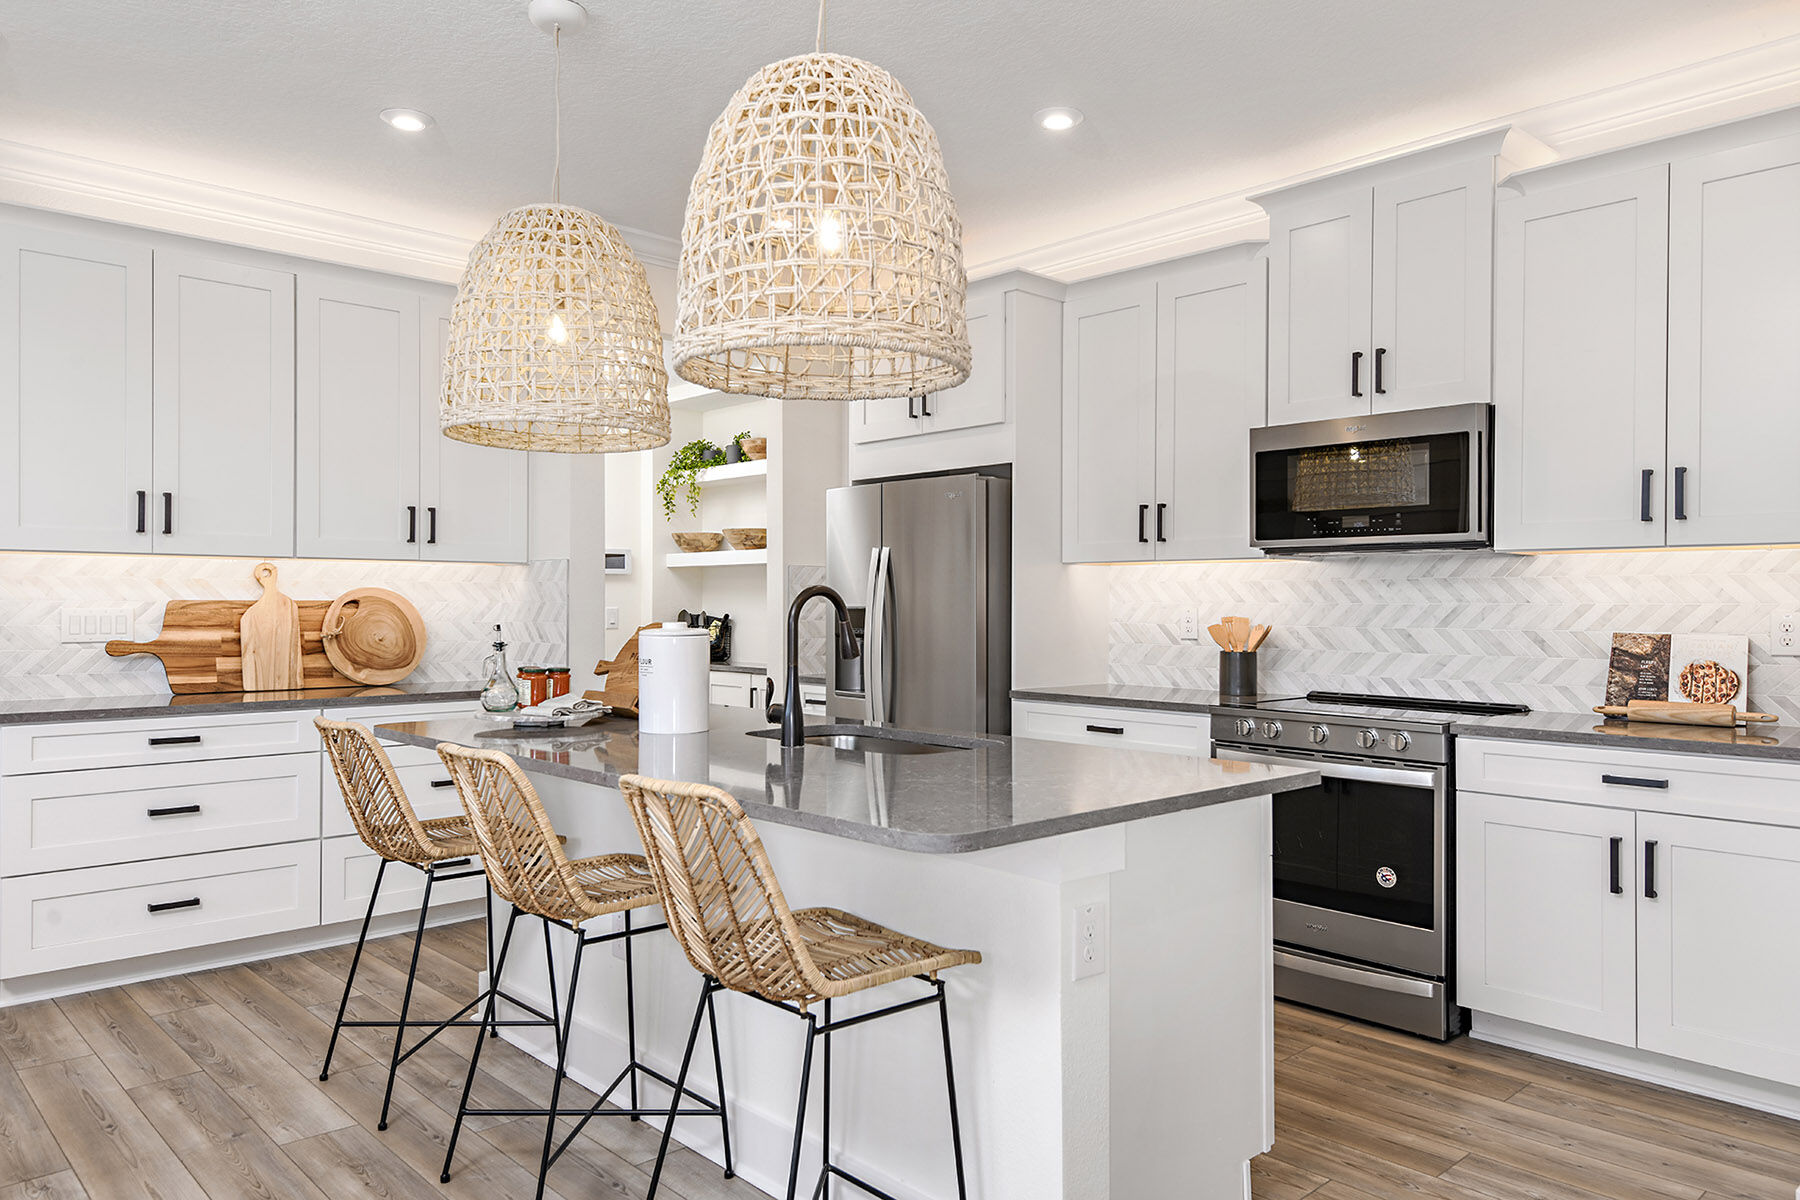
(1185, 99)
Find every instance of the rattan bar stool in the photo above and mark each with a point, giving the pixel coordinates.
(726, 908)
(442, 850)
(528, 869)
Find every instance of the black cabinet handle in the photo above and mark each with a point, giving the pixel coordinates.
(1633, 781)
(1649, 870)
(174, 810)
(1681, 493)
(1160, 509)
(1618, 889)
(1118, 729)
(168, 512)
(1644, 496)
(1356, 372)
(1143, 511)
(143, 511)
(431, 525)
(443, 783)
(1380, 354)
(924, 406)
(912, 405)
(412, 523)
(172, 905)
(186, 739)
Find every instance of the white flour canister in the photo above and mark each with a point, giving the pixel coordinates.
(673, 661)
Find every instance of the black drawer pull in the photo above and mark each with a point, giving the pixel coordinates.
(1106, 729)
(1161, 509)
(924, 405)
(1356, 372)
(431, 515)
(168, 513)
(1681, 493)
(1618, 889)
(1649, 870)
(412, 524)
(1631, 781)
(185, 739)
(143, 525)
(1143, 511)
(1644, 496)
(454, 862)
(1380, 354)
(174, 810)
(172, 905)
(443, 783)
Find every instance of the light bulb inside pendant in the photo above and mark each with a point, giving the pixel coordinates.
(830, 234)
(557, 332)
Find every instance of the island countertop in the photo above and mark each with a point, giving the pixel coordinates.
(994, 792)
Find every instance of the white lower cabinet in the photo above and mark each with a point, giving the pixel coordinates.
(347, 875)
(1104, 725)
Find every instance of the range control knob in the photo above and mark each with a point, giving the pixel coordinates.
(1245, 727)
(1271, 729)
(1318, 735)
(1398, 741)
(1367, 739)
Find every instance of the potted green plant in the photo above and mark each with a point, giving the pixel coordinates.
(682, 475)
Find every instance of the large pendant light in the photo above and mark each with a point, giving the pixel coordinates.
(821, 255)
(554, 339)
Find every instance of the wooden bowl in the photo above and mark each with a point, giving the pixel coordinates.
(373, 636)
(748, 538)
(698, 543)
(755, 448)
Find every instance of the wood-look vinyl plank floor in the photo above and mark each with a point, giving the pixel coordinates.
(205, 1086)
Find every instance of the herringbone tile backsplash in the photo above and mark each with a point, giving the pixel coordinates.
(459, 601)
(1530, 629)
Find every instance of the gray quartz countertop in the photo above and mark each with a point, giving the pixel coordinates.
(103, 708)
(996, 791)
(1131, 695)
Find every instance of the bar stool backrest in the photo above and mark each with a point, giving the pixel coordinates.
(525, 862)
(719, 893)
(383, 816)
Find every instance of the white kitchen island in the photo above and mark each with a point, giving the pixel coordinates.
(1149, 1077)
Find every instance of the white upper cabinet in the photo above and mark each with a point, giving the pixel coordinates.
(473, 498)
(223, 429)
(75, 402)
(1580, 335)
(358, 374)
(1109, 421)
(1380, 285)
(978, 400)
(1734, 353)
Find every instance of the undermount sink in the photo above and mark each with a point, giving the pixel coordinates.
(870, 741)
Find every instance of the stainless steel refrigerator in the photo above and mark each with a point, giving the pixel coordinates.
(925, 566)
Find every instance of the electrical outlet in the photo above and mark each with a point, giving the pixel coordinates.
(1088, 940)
(612, 616)
(618, 947)
(82, 626)
(1189, 620)
(1784, 635)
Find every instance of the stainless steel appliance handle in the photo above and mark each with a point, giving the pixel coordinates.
(1338, 769)
(1379, 980)
(875, 636)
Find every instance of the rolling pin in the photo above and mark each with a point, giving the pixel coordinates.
(1674, 712)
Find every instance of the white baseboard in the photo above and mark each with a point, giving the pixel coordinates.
(1701, 1080)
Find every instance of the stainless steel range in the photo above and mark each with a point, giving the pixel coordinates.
(1363, 861)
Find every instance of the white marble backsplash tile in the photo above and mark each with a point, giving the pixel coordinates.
(459, 601)
(1476, 625)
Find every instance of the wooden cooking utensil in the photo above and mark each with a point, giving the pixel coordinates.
(1675, 712)
(374, 635)
(269, 637)
(1258, 636)
(1239, 629)
(1220, 636)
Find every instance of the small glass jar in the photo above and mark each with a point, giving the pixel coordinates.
(559, 681)
(535, 684)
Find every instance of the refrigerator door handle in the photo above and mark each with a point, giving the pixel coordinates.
(875, 637)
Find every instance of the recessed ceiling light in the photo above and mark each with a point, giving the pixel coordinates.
(407, 120)
(1057, 120)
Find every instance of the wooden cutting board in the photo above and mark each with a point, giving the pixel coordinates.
(269, 638)
(201, 648)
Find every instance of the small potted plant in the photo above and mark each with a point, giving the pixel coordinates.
(682, 475)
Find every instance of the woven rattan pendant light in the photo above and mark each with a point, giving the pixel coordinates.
(554, 339)
(821, 255)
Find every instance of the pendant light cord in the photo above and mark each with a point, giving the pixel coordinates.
(556, 171)
(819, 45)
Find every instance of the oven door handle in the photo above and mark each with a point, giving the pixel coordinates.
(1361, 977)
(1355, 772)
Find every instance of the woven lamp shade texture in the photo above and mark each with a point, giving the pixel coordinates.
(821, 254)
(543, 270)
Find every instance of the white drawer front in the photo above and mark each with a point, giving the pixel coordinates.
(1100, 725)
(347, 875)
(1735, 789)
(79, 745)
(424, 785)
(103, 914)
(70, 819)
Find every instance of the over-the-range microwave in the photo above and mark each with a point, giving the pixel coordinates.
(1386, 481)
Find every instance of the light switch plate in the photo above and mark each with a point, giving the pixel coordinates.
(88, 626)
(612, 616)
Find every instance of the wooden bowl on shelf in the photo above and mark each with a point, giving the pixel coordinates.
(748, 538)
(755, 448)
(698, 543)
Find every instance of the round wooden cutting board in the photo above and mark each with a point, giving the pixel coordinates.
(373, 635)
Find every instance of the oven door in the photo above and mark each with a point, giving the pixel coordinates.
(1360, 860)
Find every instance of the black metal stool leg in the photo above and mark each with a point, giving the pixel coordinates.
(337, 1026)
(712, 1021)
(562, 1052)
(823, 1189)
(687, 1058)
(812, 1025)
(630, 1017)
(412, 972)
(487, 1023)
(962, 1186)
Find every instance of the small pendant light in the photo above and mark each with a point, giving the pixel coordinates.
(554, 338)
(821, 255)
